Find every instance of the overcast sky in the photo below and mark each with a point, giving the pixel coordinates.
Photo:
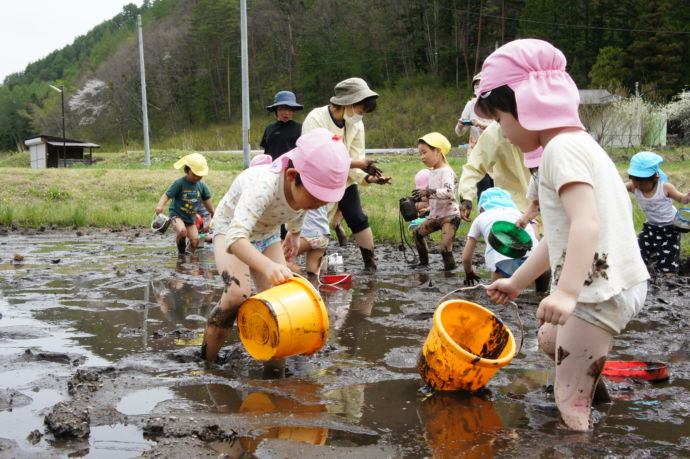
(32, 29)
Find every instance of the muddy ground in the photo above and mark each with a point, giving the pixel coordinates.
(99, 335)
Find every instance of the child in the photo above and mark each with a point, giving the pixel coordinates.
(421, 180)
(281, 135)
(531, 160)
(599, 281)
(494, 204)
(246, 237)
(658, 240)
(313, 240)
(185, 192)
(444, 213)
(260, 160)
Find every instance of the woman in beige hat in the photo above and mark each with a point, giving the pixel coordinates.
(343, 117)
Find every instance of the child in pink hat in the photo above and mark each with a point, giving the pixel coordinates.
(246, 225)
(260, 160)
(599, 281)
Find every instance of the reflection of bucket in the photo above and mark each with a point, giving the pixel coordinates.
(465, 347)
(460, 426)
(262, 403)
(285, 320)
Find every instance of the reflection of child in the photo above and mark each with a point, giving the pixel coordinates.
(444, 213)
(659, 241)
(245, 229)
(185, 193)
(598, 276)
(421, 180)
(495, 204)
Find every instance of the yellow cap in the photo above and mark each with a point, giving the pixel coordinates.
(437, 140)
(196, 162)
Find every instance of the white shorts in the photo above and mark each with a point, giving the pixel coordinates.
(614, 314)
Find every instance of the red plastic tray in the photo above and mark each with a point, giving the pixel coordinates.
(648, 371)
(336, 279)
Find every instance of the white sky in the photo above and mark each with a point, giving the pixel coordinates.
(32, 29)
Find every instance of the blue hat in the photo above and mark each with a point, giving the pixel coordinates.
(492, 198)
(284, 98)
(646, 164)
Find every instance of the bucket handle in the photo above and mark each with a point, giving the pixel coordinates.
(512, 303)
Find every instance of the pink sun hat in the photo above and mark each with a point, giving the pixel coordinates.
(532, 158)
(322, 162)
(421, 178)
(534, 69)
(260, 160)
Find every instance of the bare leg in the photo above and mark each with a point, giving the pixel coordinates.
(581, 350)
(237, 288)
(314, 258)
(193, 236)
(365, 238)
(180, 234)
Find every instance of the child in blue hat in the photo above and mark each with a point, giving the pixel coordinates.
(659, 241)
(281, 136)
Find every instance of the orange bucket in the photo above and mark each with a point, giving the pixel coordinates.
(465, 347)
(285, 320)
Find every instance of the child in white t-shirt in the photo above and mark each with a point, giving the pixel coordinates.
(659, 241)
(494, 205)
(246, 225)
(444, 212)
(599, 281)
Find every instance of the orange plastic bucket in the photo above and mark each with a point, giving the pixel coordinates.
(285, 320)
(465, 347)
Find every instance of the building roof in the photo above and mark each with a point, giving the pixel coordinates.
(53, 140)
(596, 97)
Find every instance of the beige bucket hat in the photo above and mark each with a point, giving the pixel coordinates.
(351, 91)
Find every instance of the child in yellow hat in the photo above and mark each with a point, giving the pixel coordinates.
(444, 212)
(185, 193)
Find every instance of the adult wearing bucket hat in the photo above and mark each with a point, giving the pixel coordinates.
(343, 117)
(282, 135)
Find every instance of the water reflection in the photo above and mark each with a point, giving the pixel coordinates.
(460, 424)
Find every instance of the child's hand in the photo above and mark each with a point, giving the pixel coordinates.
(471, 278)
(278, 273)
(159, 209)
(419, 193)
(522, 222)
(556, 308)
(502, 291)
(291, 245)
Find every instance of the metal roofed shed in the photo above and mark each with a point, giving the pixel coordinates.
(50, 151)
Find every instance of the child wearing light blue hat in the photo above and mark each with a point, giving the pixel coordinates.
(494, 204)
(659, 241)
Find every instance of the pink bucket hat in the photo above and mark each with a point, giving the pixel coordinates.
(421, 178)
(322, 162)
(534, 69)
(259, 160)
(533, 158)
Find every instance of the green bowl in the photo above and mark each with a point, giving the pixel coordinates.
(509, 240)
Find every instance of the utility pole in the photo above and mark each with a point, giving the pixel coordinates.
(245, 83)
(61, 90)
(144, 109)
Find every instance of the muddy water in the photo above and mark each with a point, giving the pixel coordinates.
(103, 328)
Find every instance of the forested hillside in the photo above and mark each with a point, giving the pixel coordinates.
(426, 50)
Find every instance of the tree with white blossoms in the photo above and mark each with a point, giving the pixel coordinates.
(678, 110)
(89, 101)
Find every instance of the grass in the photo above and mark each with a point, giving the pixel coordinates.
(118, 191)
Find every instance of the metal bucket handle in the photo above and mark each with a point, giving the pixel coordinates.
(512, 303)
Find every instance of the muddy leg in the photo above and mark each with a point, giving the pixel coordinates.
(237, 289)
(581, 350)
(422, 248)
(180, 234)
(447, 234)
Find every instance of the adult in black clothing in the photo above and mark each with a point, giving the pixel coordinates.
(281, 136)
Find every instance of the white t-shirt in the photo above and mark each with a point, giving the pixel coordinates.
(481, 227)
(316, 223)
(576, 157)
(254, 207)
(533, 188)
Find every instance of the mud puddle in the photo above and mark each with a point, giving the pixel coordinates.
(99, 339)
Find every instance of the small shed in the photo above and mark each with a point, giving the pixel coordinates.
(50, 151)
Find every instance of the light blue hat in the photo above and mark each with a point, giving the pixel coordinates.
(492, 198)
(645, 164)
